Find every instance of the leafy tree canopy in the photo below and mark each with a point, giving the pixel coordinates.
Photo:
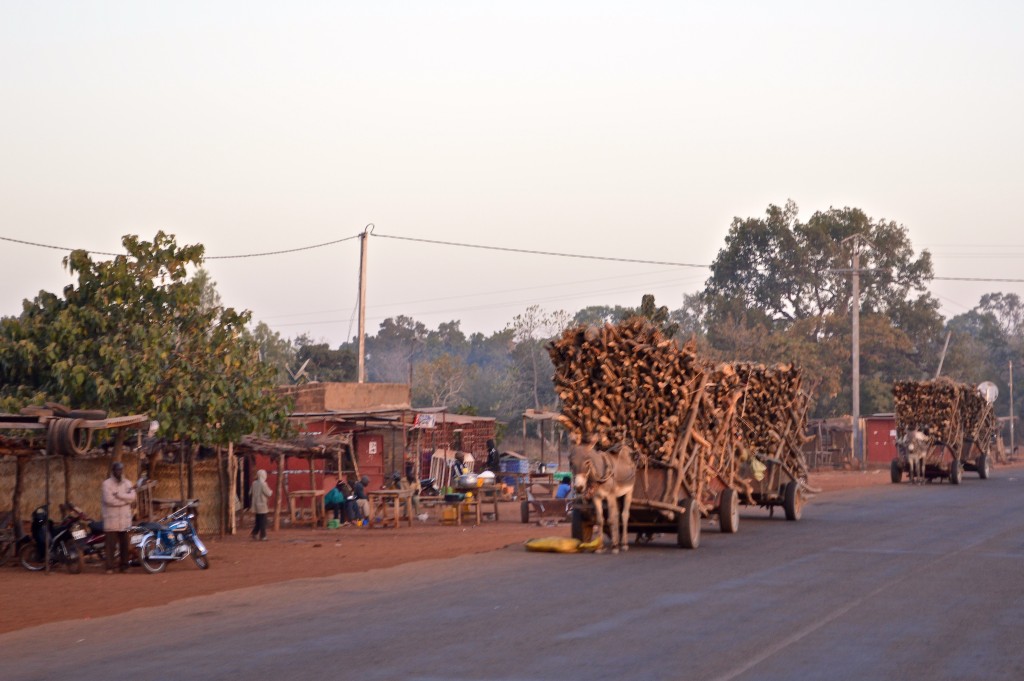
(136, 334)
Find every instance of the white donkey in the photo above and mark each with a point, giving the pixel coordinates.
(913, 447)
(606, 477)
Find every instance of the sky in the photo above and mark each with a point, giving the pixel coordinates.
(620, 131)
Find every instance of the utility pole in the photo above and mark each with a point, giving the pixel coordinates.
(856, 241)
(1013, 418)
(363, 241)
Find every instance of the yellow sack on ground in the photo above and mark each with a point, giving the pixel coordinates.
(561, 545)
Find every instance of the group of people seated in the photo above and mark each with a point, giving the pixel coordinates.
(348, 500)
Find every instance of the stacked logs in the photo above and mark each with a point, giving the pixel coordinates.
(945, 409)
(628, 383)
(773, 412)
(625, 383)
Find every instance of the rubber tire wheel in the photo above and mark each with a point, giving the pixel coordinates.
(27, 556)
(792, 503)
(984, 467)
(688, 525)
(524, 512)
(896, 472)
(581, 528)
(202, 562)
(152, 567)
(956, 472)
(729, 511)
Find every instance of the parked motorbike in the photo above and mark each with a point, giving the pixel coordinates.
(172, 538)
(428, 488)
(62, 539)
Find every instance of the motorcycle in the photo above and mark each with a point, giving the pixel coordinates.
(61, 541)
(172, 538)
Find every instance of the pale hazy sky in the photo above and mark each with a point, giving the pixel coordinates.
(633, 130)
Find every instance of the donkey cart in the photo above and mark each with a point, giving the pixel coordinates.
(662, 504)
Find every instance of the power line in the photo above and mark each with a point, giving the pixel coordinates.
(208, 257)
(997, 280)
(534, 252)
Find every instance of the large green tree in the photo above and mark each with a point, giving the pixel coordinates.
(780, 290)
(136, 334)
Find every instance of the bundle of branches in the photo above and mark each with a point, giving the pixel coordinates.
(772, 417)
(934, 407)
(628, 383)
(979, 418)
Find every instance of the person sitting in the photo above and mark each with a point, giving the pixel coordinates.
(335, 501)
(564, 487)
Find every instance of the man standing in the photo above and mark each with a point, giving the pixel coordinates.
(118, 497)
(260, 494)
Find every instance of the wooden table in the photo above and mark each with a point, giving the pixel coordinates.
(473, 506)
(380, 498)
(316, 507)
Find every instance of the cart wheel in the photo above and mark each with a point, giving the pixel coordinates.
(984, 467)
(729, 511)
(794, 503)
(895, 472)
(956, 472)
(688, 525)
(524, 511)
(582, 528)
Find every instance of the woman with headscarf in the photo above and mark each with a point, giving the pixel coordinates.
(260, 494)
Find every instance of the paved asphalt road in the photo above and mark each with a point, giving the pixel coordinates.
(890, 582)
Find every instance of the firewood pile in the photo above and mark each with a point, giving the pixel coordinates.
(945, 409)
(628, 383)
(773, 413)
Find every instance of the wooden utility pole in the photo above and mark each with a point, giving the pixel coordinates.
(1012, 416)
(363, 242)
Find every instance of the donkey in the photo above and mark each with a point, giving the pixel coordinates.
(913, 447)
(606, 476)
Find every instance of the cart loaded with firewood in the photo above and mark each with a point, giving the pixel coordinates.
(956, 421)
(686, 421)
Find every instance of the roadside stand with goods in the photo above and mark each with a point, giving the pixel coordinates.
(954, 423)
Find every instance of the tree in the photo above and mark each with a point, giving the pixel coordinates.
(135, 335)
(390, 354)
(783, 286)
(440, 382)
(532, 369)
(659, 316)
(321, 363)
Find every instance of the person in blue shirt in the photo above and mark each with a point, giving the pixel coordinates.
(564, 487)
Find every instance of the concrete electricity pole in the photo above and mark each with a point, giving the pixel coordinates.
(363, 241)
(856, 242)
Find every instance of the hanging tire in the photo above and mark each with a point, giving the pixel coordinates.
(150, 565)
(202, 562)
(793, 502)
(956, 472)
(29, 559)
(896, 472)
(582, 528)
(688, 525)
(984, 467)
(524, 511)
(729, 511)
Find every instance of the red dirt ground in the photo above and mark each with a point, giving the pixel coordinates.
(29, 599)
